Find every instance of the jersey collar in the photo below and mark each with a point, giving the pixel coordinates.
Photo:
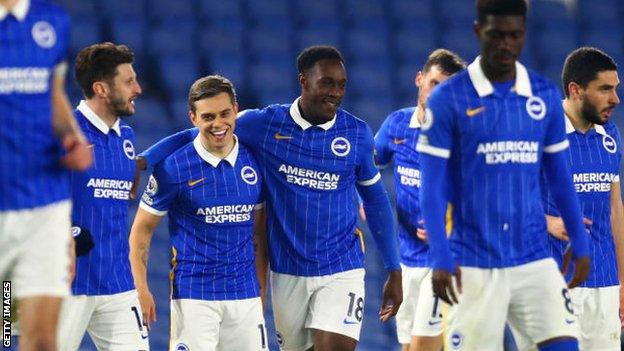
(20, 10)
(212, 159)
(414, 122)
(484, 87)
(296, 116)
(96, 120)
(570, 128)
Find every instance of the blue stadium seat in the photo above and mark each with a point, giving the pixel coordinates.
(461, 41)
(151, 117)
(218, 9)
(414, 45)
(79, 9)
(268, 43)
(554, 45)
(548, 11)
(226, 41)
(167, 10)
(268, 97)
(178, 108)
(177, 73)
(594, 13)
(404, 79)
(411, 10)
(369, 79)
(450, 11)
(362, 9)
(122, 8)
(267, 78)
(275, 9)
(608, 38)
(232, 67)
(84, 32)
(322, 10)
(373, 111)
(171, 38)
(131, 32)
(362, 42)
(325, 35)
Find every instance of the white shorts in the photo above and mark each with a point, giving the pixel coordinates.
(231, 325)
(533, 297)
(114, 322)
(597, 312)
(420, 313)
(333, 303)
(34, 246)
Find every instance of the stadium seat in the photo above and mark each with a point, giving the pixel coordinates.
(122, 8)
(450, 11)
(79, 9)
(364, 43)
(232, 67)
(268, 43)
(177, 73)
(408, 47)
(373, 111)
(224, 40)
(171, 38)
(554, 45)
(594, 13)
(272, 78)
(218, 9)
(129, 31)
(167, 10)
(362, 9)
(607, 38)
(269, 9)
(369, 80)
(84, 32)
(411, 10)
(461, 41)
(315, 10)
(151, 117)
(548, 11)
(321, 35)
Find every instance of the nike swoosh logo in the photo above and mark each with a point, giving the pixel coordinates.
(90, 146)
(471, 112)
(143, 336)
(398, 141)
(195, 182)
(346, 321)
(278, 136)
(569, 321)
(434, 323)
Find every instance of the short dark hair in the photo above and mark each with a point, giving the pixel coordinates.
(311, 55)
(500, 8)
(99, 62)
(583, 65)
(210, 86)
(448, 61)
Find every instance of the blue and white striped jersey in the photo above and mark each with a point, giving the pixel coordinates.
(397, 139)
(594, 159)
(210, 204)
(494, 141)
(34, 39)
(310, 174)
(100, 203)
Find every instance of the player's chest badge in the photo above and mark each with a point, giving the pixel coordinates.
(536, 108)
(44, 34)
(609, 144)
(340, 146)
(128, 149)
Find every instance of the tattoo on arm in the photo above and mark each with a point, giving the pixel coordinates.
(144, 252)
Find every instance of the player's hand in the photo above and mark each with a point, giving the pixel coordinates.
(442, 282)
(421, 233)
(148, 307)
(140, 165)
(78, 156)
(72, 259)
(392, 296)
(581, 271)
(556, 228)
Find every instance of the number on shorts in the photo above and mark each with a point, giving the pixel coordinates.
(359, 307)
(434, 313)
(262, 338)
(568, 301)
(138, 319)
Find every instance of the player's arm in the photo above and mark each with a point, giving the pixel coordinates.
(140, 240)
(78, 156)
(561, 187)
(261, 251)
(381, 224)
(165, 147)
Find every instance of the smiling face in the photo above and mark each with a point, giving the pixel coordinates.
(502, 39)
(599, 97)
(215, 117)
(123, 90)
(322, 89)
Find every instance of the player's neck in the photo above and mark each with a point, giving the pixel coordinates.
(420, 113)
(8, 4)
(576, 117)
(494, 74)
(219, 152)
(307, 115)
(102, 111)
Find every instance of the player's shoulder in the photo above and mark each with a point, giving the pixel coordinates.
(401, 115)
(346, 119)
(612, 129)
(126, 129)
(255, 113)
(541, 85)
(178, 163)
(458, 81)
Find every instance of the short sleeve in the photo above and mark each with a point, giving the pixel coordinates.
(159, 194)
(555, 139)
(436, 137)
(246, 128)
(366, 171)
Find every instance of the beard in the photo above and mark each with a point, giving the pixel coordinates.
(119, 107)
(591, 114)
